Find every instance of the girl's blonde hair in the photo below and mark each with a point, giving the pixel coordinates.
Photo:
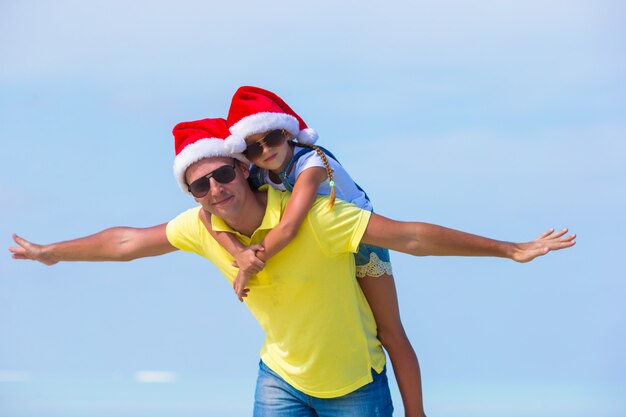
(329, 171)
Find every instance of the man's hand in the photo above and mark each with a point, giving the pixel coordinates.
(32, 251)
(239, 285)
(546, 242)
(247, 261)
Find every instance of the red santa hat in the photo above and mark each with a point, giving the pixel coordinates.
(254, 110)
(196, 140)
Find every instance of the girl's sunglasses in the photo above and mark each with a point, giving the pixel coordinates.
(224, 174)
(271, 140)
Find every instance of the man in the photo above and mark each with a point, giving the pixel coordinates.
(320, 356)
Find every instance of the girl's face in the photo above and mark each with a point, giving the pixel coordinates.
(269, 150)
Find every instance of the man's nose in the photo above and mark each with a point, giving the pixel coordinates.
(216, 186)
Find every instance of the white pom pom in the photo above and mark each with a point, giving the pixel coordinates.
(308, 136)
(234, 144)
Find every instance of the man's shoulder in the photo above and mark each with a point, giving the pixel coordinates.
(322, 204)
(320, 209)
(338, 228)
(184, 223)
(187, 215)
(276, 199)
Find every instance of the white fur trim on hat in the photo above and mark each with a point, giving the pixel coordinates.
(235, 144)
(264, 122)
(203, 148)
(308, 136)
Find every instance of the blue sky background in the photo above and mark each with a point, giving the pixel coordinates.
(493, 117)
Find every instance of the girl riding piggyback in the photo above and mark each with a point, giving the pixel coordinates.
(281, 148)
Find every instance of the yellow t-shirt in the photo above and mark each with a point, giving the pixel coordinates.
(320, 334)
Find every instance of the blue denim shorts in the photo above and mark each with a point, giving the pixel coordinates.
(274, 397)
(362, 257)
(372, 261)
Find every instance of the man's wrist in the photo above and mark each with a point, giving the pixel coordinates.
(509, 250)
(239, 249)
(48, 253)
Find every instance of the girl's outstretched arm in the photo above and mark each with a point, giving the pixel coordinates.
(302, 197)
(423, 239)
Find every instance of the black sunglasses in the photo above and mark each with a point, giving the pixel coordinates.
(224, 174)
(271, 140)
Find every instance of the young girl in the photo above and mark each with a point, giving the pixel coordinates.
(264, 127)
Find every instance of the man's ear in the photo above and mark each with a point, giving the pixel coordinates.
(245, 168)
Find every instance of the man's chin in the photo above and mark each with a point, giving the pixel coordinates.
(222, 208)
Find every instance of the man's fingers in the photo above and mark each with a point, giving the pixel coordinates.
(545, 234)
(558, 234)
(258, 266)
(242, 294)
(20, 241)
(23, 244)
(567, 240)
(562, 244)
(550, 234)
(257, 247)
(548, 241)
(16, 249)
(18, 252)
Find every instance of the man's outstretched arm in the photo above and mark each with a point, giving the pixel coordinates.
(423, 239)
(115, 244)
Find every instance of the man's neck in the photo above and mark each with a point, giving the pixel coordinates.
(251, 218)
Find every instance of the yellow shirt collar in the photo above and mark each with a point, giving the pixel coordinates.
(270, 219)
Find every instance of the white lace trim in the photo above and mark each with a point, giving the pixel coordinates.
(374, 268)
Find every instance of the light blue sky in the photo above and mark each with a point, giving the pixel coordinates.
(494, 117)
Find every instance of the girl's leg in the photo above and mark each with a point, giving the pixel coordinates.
(380, 292)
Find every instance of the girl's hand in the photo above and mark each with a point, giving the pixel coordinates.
(546, 242)
(239, 285)
(247, 261)
(32, 251)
